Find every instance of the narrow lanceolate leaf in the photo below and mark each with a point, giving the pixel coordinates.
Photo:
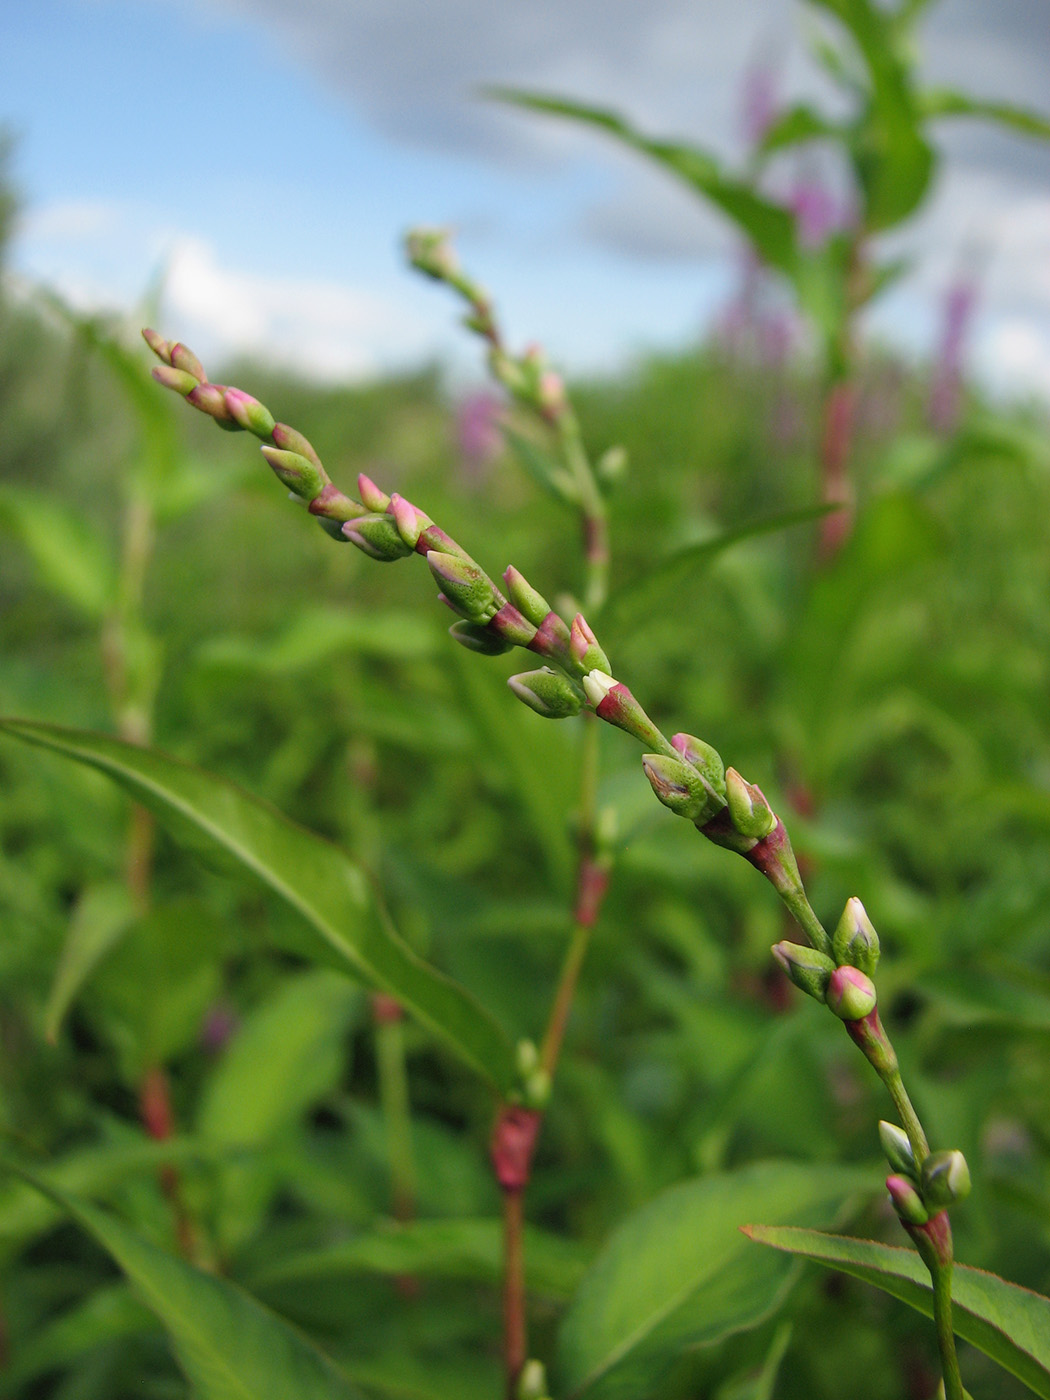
(944, 102)
(310, 874)
(229, 1346)
(677, 1274)
(1008, 1323)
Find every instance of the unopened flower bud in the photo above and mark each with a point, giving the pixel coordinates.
(897, 1147)
(906, 1200)
(532, 1383)
(680, 787)
(409, 519)
(377, 536)
(468, 589)
(178, 379)
(584, 646)
(297, 472)
(252, 415)
(548, 692)
(550, 394)
(479, 639)
(851, 994)
(430, 251)
(334, 507)
(945, 1179)
(211, 399)
(750, 812)
(371, 496)
(529, 603)
(182, 357)
(706, 760)
(808, 969)
(855, 941)
(291, 440)
(611, 465)
(615, 704)
(160, 347)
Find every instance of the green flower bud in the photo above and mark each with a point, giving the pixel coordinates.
(897, 1147)
(291, 440)
(371, 496)
(177, 379)
(160, 347)
(680, 787)
(548, 692)
(906, 1200)
(529, 603)
(479, 639)
(851, 994)
(297, 472)
(468, 590)
(429, 250)
(615, 704)
(945, 1179)
(377, 536)
(809, 970)
(855, 941)
(751, 814)
(211, 399)
(584, 647)
(252, 415)
(706, 760)
(334, 507)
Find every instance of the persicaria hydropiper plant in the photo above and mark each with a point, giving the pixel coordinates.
(686, 773)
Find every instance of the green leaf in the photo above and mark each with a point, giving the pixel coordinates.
(71, 557)
(469, 1250)
(770, 227)
(796, 125)
(945, 102)
(657, 587)
(299, 1036)
(229, 1346)
(105, 1316)
(1008, 1323)
(102, 916)
(544, 469)
(677, 1275)
(310, 874)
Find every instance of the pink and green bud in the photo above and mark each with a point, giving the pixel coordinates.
(370, 494)
(898, 1149)
(551, 398)
(509, 624)
(333, 505)
(253, 416)
(479, 639)
(584, 647)
(160, 347)
(525, 598)
(182, 357)
(680, 787)
(552, 639)
(178, 379)
(291, 440)
(749, 811)
(430, 250)
(945, 1179)
(809, 969)
(548, 692)
(297, 472)
(467, 589)
(377, 536)
(615, 704)
(851, 994)
(706, 760)
(409, 519)
(855, 941)
(211, 399)
(906, 1200)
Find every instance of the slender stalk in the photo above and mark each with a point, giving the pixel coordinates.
(909, 1118)
(942, 1316)
(593, 515)
(394, 1103)
(515, 1343)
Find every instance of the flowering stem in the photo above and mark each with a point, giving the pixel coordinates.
(909, 1118)
(942, 1316)
(515, 1342)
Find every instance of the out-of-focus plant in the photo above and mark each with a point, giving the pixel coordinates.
(833, 265)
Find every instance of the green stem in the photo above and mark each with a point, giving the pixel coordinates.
(515, 1341)
(909, 1118)
(593, 515)
(394, 1104)
(942, 1315)
(802, 912)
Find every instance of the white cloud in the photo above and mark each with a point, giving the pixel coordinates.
(68, 221)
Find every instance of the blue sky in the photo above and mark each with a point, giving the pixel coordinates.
(270, 157)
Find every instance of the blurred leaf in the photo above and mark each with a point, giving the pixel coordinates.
(72, 558)
(544, 469)
(946, 102)
(469, 1250)
(795, 125)
(316, 635)
(104, 1316)
(761, 1386)
(678, 1275)
(972, 997)
(102, 915)
(1008, 1323)
(228, 1345)
(657, 587)
(310, 874)
(769, 226)
(299, 1035)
